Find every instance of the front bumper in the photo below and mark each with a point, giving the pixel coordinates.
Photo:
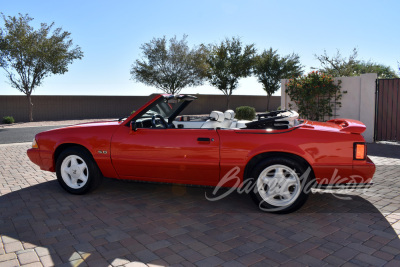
(41, 158)
(34, 156)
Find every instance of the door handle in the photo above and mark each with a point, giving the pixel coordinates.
(203, 139)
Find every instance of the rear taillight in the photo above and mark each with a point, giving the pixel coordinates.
(360, 151)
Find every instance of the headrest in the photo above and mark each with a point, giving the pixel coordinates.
(229, 114)
(217, 116)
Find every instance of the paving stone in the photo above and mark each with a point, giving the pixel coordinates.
(7, 257)
(121, 221)
(146, 256)
(250, 259)
(13, 247)
(370, 260)
(136, 264)
(191, 255)
(174, 259)
(28, 257)
(33, 264)
(310, 261)
(233, 263)
(209, 262)
(393, 263)
(10, 263)
(158, 245)
(119, 262)
(346, 253)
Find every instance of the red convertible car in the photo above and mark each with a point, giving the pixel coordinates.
(277, 156)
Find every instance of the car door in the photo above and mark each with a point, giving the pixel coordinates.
(189, 156)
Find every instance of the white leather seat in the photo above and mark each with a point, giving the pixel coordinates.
(229, 116)
(216, 118)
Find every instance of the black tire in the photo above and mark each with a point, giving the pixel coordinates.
(79, 178)
(280, 184)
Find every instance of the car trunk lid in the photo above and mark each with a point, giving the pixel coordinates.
(341, 125)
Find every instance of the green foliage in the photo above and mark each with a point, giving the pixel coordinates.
(8, 120)
(270, 68)
(384, 72)
(227, 63)
(339, 66)
(245, 113)
(28, 55)
(315, 95)
(133, 111)
(170, 68)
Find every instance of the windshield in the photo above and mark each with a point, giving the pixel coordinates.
(165, 108)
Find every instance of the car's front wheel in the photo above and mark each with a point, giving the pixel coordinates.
(77, 172)
(280, 184)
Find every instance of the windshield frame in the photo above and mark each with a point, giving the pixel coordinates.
(185, 101)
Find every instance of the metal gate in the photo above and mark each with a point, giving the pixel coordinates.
(387, 119)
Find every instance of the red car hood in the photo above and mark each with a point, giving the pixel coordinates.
(84, 125)
(94, 124)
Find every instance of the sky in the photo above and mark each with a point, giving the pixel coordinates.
(110, 34)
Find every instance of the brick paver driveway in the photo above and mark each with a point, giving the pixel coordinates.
(126, 223)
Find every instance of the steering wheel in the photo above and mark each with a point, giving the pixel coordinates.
(153, 121)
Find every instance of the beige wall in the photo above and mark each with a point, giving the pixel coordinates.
(100, 107)
(358, 103)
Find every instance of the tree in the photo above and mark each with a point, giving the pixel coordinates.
(338, 66)
(28, 55)
(384, 72)
(170, 68)
(228, 62)
(316, 95)
(270, 68)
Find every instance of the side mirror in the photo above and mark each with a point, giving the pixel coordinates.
(133, 126)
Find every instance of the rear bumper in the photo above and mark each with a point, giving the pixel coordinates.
(359, 173)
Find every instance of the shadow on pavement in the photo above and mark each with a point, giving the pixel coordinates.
(383, 150)
(167, 224)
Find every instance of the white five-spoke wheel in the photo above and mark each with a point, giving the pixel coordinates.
(76, 170)
(279, 184)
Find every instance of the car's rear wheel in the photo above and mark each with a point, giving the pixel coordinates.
(279, 184)
(77, 172)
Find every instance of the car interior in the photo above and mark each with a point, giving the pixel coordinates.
(164, 114)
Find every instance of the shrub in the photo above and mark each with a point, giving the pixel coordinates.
(316, 95)
(278, 108)
(8, 120)
(245, 113)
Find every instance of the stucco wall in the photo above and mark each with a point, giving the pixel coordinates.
(358, 103)
(100, 107)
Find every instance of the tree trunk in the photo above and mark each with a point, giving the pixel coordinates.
(227, 101)
(30, 107)
(268, 98)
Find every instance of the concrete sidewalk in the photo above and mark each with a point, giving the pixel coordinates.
(138, 224)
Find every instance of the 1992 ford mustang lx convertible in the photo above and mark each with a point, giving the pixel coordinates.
(277, 157)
